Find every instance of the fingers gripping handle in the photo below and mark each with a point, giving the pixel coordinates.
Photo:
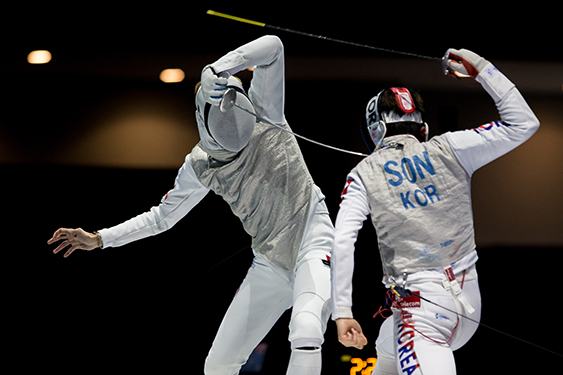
(462, 63)
(448, 69)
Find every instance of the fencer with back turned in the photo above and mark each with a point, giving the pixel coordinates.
(417, 193)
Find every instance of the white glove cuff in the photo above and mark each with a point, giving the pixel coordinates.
(494, 82)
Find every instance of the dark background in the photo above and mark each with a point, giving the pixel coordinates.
(94, 138)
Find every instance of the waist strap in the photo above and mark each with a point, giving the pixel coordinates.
(450, 283)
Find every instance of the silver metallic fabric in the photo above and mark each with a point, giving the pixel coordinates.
(268, 187)
(420, 203)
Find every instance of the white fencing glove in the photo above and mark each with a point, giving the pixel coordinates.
(213, 86)
(463, 63)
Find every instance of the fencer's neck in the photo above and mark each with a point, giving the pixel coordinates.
(222, 156)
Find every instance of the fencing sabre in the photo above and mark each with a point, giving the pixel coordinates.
(229, 101)
(443, 60)
(261, 24)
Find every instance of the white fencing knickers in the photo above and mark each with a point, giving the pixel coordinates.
(267, 291)
(421, 346)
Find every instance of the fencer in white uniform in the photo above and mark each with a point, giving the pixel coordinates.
(417, 193)
(260, 172)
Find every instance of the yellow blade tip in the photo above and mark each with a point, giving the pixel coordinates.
(228, 16)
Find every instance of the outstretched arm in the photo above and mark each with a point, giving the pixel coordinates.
(185, 195)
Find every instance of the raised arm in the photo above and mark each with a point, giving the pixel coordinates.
(476, 147)
(267, 89)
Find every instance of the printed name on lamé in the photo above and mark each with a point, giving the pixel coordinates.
(411, 170)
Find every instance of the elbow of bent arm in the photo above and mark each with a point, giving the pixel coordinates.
(516, 112)
(275, 43)
(272, 47)
(532, 125)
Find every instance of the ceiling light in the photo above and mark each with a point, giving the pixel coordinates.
(172, 75)
(39, 57)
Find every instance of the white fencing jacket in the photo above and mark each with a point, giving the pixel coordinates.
(410, 202)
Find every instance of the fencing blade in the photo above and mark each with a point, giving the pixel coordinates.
(262, 24)
(229, 101)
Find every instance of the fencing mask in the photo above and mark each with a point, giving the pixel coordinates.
(225, 131)
(404, 111)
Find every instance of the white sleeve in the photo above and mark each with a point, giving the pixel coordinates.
(476, 147)
(354, 209)
(185, 195)
(267, 89)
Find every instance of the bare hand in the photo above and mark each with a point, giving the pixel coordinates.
(77, 239)
(350, 333)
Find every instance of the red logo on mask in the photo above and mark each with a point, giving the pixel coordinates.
(404, 99)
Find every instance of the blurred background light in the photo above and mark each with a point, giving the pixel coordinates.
(172, 75)
(39, 57)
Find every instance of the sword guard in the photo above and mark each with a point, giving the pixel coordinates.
(228, 101)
